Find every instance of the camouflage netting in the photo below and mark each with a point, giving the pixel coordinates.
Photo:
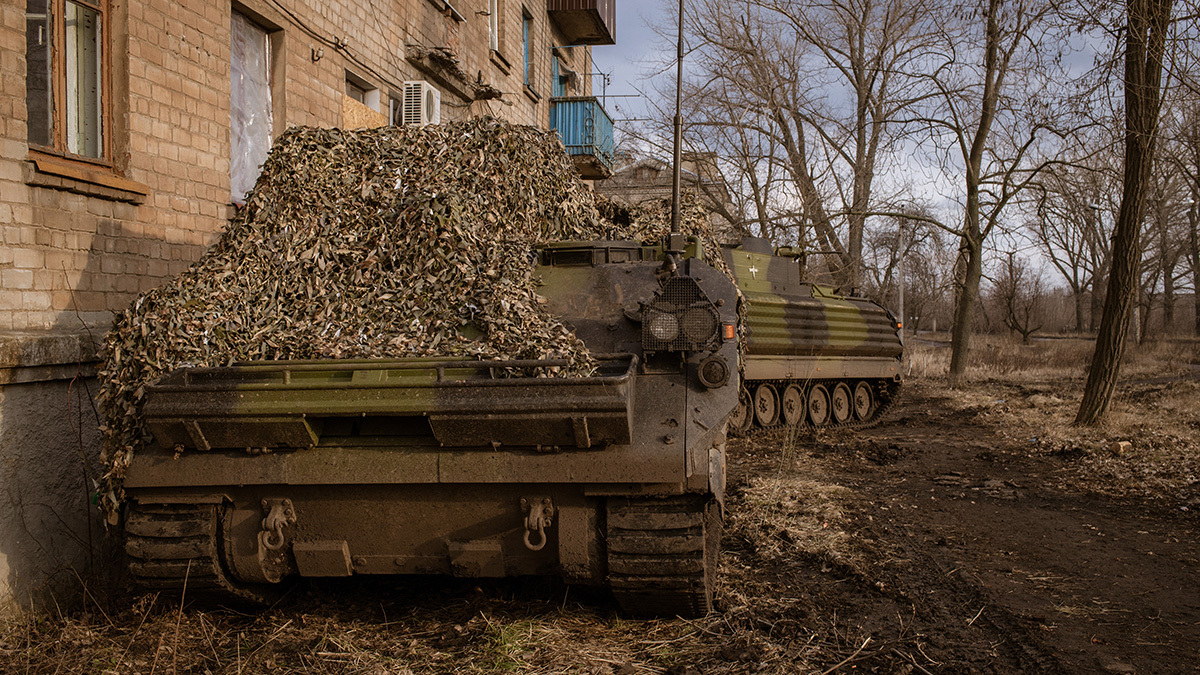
(387, 242)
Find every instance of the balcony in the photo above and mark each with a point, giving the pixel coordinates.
(586, 131)
(585, 22)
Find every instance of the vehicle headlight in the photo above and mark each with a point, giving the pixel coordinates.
(664, 327)
(699, 324)
(680, 318)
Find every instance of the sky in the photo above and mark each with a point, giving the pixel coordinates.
(635, 53)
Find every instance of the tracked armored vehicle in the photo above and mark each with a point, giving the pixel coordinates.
(814, 357)
(265, 471)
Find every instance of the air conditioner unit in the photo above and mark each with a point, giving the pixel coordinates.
(422, 103)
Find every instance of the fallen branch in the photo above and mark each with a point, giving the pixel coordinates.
(850, 658)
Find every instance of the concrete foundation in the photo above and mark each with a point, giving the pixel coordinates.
(52, 540)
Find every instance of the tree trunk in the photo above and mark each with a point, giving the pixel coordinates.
(1194, 251)
(1097, 306)
(1078, 312)
(1168, 301)
(1196, 298)
(964, 310)
(1147, 22)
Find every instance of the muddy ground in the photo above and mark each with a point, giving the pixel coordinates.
(999, 564)
(946, 540)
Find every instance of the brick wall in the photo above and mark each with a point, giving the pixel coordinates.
(79, 241)
(75, 251)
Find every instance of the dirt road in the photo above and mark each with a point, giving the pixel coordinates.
(941, 541)
(974, 558)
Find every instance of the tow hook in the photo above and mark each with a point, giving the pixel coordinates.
(280, 514)
(539, 514)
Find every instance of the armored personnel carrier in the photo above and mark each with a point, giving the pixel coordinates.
(264, 471)
(269, 470)
(814, 357)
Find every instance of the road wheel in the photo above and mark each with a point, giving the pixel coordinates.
(864, 401)
(793, 405)
(766, 405)
(818, 405)
(742, 417)
(842, 404)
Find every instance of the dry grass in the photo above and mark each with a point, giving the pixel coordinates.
(1032, 392)
(785, 526)
(781, 518)
(349, 634)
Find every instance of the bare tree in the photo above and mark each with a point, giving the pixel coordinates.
(1183, 153)
(1073, 208)
(926, 269)
(868, 48)
(745, 161)
(991, 114)
(823, 89)
(930, 281)
(1146, 25)
(1064, 227)
(1166, 240)
(1021, 293)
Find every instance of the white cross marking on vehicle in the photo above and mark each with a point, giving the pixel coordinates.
(753, 272)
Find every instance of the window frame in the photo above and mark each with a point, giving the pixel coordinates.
(355, 91)
(527, 46)
(271, 61)
(495, 10)
(58, 75)
(273, 23)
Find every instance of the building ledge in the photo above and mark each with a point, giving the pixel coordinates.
(58, 174)
(39, 356)
(500, 62)
(443, 67)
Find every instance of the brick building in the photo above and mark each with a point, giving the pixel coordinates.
(649, 178)
(129, 130)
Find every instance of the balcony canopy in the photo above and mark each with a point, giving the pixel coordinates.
(585, 22)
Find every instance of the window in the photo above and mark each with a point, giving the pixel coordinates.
(356, 92)
(66, 72)
(562, 78)
(250, 103)
(363, 91)
(395, 110)
(494, 25)
(526, 37)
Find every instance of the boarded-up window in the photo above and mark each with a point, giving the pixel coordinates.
(250, 104)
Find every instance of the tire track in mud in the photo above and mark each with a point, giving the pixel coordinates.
(974, 532)
(969, 630)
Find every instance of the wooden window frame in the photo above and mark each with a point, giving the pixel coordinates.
(58, 118)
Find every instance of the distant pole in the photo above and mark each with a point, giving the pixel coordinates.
(678, 124)
(900, 275)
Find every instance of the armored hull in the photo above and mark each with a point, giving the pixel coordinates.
(266, 471)
(813, 357)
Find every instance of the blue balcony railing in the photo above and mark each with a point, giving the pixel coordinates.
(586, 131)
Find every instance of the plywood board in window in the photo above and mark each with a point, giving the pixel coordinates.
(355, 115)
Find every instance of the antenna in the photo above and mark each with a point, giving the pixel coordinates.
(675, 240)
